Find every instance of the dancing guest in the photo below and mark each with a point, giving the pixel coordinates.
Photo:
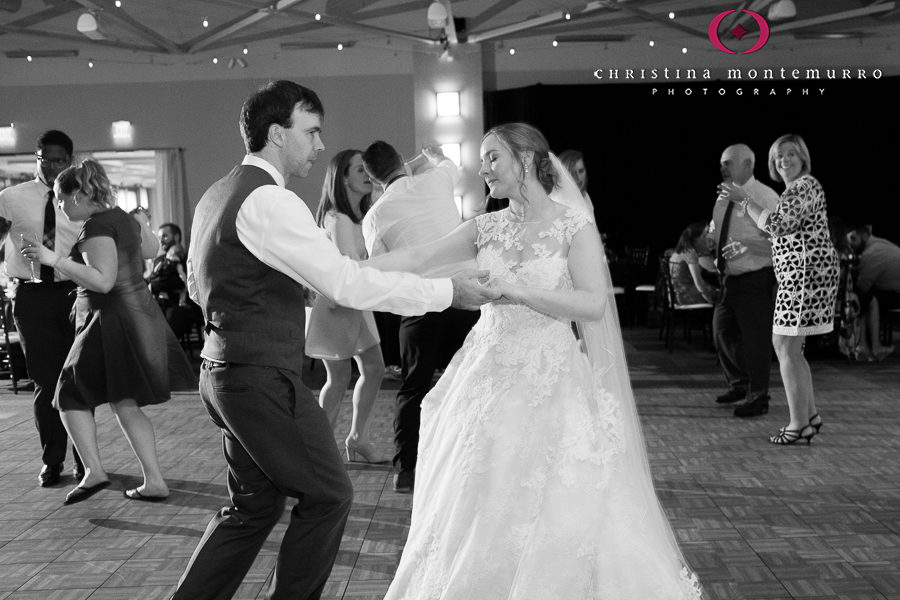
(255, 245)
(123, 354)
(742, 319)
(413, 210)
(335, 333)
(687, 274)
(525, 435)
(807, 269)
(42, 309)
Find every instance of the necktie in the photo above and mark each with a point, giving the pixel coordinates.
(723, 238)
(49, 234)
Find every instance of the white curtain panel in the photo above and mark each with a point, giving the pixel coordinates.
(169, 204)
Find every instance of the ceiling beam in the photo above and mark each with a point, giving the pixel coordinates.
(492, 11)
(268, 35)
(118, 14)
(78, 39)
(351, 24)
(242, 22)
(663, 20)
(390, 11)
(44, 15)
(832, 18)
(740, 17)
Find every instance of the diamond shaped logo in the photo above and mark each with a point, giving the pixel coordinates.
(738, 32)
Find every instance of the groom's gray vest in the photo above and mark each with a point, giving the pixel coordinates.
(254, 314)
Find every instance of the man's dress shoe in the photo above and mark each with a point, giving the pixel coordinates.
(404, 482)
(753, 408)
(50, 475)
(731, 396)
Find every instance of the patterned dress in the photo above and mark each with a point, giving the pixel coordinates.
(806, 263)
(524, 490)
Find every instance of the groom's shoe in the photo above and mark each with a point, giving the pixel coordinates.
(404, 481)
(731, 396)
(753, 408)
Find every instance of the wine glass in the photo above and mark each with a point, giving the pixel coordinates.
(30, 240)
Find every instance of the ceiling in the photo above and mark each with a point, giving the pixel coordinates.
(172, 31)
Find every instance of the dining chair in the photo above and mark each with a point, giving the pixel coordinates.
(692, 316)
(11, 345)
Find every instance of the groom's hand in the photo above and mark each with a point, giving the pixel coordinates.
(469, 291)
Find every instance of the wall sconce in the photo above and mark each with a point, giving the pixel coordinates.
(8, 136)
(122, 131)
(447, 104)
(453, 152)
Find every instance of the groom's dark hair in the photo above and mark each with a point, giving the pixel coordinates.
(380, 160)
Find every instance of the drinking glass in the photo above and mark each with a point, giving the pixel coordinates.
(30, 240)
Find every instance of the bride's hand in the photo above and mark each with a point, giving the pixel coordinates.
(507, 291)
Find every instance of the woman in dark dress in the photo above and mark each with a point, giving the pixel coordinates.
(124, 353)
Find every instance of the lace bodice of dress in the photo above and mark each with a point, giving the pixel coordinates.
(533, 254)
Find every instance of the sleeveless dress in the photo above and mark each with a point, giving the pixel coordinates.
(336, 332)
(522, 488)
(123, 346)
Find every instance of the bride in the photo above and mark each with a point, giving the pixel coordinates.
(533, 480)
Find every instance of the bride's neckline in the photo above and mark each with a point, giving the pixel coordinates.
(509, 216)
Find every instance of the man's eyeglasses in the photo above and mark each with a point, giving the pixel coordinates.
(56, 162)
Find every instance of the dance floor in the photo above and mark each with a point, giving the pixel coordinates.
(756, 521)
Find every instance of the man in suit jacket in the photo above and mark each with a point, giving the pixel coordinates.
(255, 245)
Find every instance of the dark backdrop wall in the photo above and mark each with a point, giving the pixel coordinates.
(653, 159)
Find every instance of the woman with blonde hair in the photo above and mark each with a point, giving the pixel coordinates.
(124, 353)
(807, 268)
(336, 333)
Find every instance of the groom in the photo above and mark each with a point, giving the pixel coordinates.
(255, 244)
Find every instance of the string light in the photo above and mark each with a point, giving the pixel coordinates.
(568, 16)
(652, 43)
(671, 15)
(318, 17)
(340, 46)
(512, 51)
(684, 50)
(246, 50)
(205, 22)
(90, 64)
(555, 43)
(28, 58)
(118, 3)
(215, 60)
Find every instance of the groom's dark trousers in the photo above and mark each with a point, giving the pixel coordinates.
(277, 441)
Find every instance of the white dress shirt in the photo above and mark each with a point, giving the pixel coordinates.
(23, 205)
(413, 211)
(276, 226)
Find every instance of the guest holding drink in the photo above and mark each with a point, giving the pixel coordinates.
(124, 354)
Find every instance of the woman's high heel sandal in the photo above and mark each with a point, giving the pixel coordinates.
(816, 426)
(785, 437)
(361, 451)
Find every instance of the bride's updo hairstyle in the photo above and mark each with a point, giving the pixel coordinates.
(90, 179)
(520, 138)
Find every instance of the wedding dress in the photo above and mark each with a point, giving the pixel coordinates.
(532, 479)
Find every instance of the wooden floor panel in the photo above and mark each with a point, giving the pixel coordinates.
(756, 521)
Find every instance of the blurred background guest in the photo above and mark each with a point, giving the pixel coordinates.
(336, 334)
(688, 280)
(877, 278)
(574, 162)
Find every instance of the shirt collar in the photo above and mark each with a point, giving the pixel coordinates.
(747, 183)
(266, 166)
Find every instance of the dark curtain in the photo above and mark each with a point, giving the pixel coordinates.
(653, 159)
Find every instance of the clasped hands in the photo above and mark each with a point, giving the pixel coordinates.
(473, 288)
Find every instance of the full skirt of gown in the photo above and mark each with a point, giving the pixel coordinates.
(523, 487)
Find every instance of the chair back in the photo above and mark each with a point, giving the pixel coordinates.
(668, 287)
(639, 255)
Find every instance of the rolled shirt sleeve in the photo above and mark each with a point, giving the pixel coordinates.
(275, 225)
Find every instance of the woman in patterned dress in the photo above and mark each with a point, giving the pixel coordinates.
(807, 269)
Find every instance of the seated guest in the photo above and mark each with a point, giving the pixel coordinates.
(877, 284)
(686, 270)
(167, 280)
